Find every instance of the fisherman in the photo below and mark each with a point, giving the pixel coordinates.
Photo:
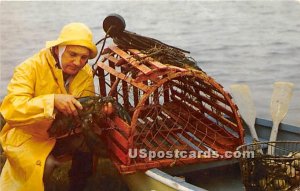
(44, 84)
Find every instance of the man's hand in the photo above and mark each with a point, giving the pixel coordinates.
(67, 104)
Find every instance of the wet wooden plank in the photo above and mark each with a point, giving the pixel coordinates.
(226, 140)
(119, 138)
(182, 133)
(212, 131)
(156, 96)
(173, 139)
(111, 58)
(159, 137)
(199, 144)
(155, 76)
(122, 76)
(147, 83)
(202, 108)
(149, 145)
(204, 133)
(144, 69)
(150, 137)
(205, 99)
(150, 60)
(171, 129)
(125, 93)
(119, 153)
(136, 96)
(125, 128)
(175, 68)
(207, 89)
(210, 141)
(102, 84)
(166, 92)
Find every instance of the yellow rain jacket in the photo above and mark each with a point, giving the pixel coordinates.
(28, 110)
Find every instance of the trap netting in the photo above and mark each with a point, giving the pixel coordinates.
(172, 110)
(279, 170)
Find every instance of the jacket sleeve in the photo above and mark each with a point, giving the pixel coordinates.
(20, 106)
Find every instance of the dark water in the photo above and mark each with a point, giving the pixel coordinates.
(253, 42)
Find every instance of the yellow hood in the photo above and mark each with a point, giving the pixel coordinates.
(75, 34)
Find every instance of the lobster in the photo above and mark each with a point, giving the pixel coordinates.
(91, 119)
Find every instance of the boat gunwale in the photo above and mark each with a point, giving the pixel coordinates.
(282, 126)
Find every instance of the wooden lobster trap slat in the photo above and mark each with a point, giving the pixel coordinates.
(172, 109)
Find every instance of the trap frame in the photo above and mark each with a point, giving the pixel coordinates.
(171, 108)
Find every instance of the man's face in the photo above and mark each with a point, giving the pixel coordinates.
(74, 58)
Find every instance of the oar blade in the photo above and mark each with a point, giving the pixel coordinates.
(281, 97)
(242, 96)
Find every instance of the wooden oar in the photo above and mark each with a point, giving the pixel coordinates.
(242, 97)
(281, 97)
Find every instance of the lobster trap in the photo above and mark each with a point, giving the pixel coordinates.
(279, 170)
(171, 108)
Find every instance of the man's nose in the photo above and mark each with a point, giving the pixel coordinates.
(77, 61)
